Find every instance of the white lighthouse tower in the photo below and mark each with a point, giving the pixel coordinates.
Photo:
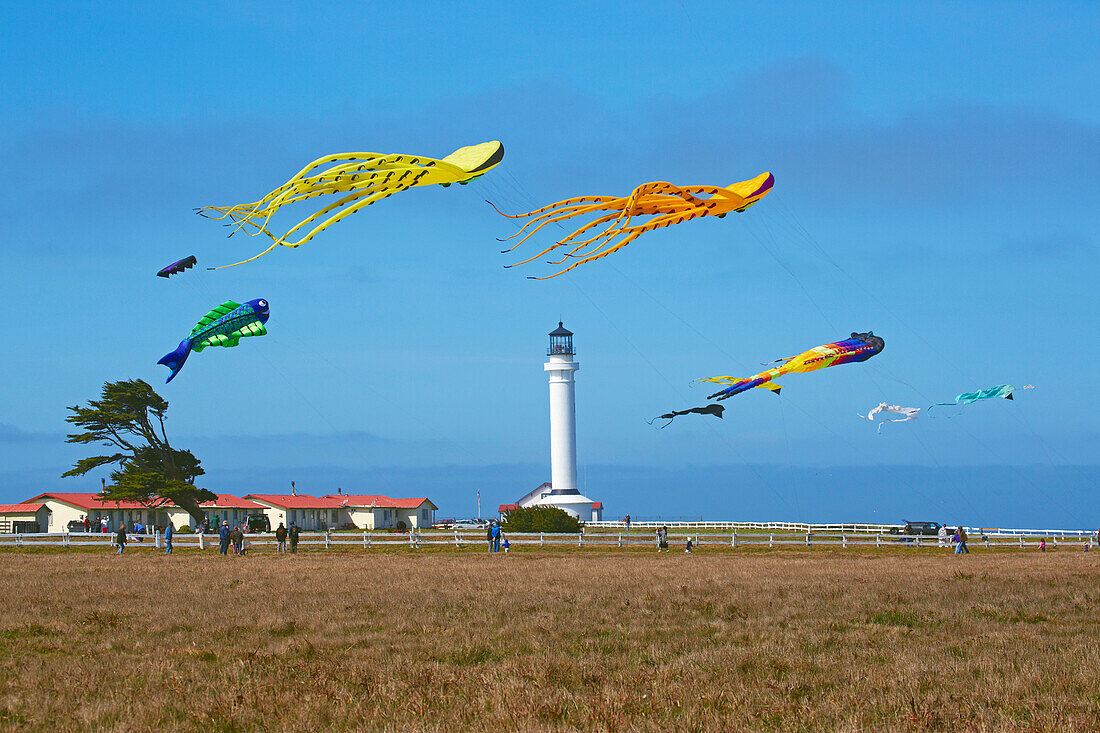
(562, 490)
(563, 413)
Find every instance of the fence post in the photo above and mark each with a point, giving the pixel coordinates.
(1055, 542)
(620, 540)
(542, 539)
(65, 539)
(156, 538)
(458, 542)
(370, 542)
(734, 540)
(19, 539)
(771, 540)
(200, 540)
(844, 541)
(878, 540)
(807, 539)
(920, 541)
(580, 539)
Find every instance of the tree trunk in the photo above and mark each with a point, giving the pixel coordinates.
(192, 507)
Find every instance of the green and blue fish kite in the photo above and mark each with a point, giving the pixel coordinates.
(225, 326)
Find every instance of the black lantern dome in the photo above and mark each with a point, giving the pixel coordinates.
(561, 341)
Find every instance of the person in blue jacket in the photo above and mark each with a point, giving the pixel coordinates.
(496, 537)
(223, 538)
(168, 532)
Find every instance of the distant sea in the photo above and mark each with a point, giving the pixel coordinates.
(1037, 497)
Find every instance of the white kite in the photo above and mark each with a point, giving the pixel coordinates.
(907, 413)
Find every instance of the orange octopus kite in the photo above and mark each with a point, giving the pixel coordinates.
(666, 203)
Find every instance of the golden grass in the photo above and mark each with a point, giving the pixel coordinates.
(604, 640)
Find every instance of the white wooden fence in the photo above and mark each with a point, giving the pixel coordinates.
(462, 540)
(804, 528)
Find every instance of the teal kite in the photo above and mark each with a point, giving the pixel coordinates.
(1001, 390)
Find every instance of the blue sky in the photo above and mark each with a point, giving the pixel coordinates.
(935, 182)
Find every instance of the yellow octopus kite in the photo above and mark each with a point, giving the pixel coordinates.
(666, 203)
(363, 178)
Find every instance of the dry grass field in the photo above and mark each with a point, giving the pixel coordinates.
(551, 640)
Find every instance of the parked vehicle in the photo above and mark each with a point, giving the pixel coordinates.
(924, 529)
(259, 523)
(467, 524)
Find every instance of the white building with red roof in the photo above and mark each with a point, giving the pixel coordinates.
(375, 511)
(346, 511)
(32, 516)
(65, 508)
(309, 513)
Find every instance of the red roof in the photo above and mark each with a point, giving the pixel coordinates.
(25, 507)
(228, 501)
(597, 505)
(386, 502)
(92, 501)
(301, 501)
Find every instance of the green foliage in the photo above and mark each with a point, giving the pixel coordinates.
(540, 519)
(185, 529)
(130, 417)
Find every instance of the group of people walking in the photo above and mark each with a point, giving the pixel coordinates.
(958, 539)
(227, 536)
(122, 536)
(282, 534)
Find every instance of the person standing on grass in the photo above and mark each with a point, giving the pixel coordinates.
(961, 547)
(223, 538)
(168, 532)
(489, 535)
(690, 546)
(294, 532)
(626, 522)
(235, 538)
(942, 535)
(662, 538)
(495, 534)
(120, 538)
(280, 538)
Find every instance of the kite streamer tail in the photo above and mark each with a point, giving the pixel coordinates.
(662, 417)
(175, 360)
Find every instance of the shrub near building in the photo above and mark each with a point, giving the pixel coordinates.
(540, 519)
